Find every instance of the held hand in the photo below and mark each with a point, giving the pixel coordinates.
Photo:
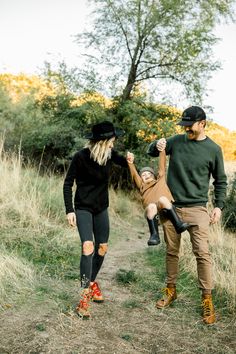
(130, 157)
(215, 215)
(71, 218)
(161, 144)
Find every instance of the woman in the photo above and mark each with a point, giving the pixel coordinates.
(90, 169)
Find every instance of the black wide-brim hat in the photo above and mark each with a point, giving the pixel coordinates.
(104, 130)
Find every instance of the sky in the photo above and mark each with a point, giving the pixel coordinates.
(33, 31)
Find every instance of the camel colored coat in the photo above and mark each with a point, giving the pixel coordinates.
(152, 191)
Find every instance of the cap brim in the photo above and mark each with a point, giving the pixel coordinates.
(186, 123)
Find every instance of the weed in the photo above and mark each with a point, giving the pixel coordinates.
(40, 327)
(126, 276)
(131, 304)
(126, 337)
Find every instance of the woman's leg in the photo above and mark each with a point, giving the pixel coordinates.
(85, 227)
(101, 230)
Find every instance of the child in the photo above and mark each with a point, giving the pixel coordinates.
(156, 196)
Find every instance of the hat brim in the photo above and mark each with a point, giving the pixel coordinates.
(104, 136)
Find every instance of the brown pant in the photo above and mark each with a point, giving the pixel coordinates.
(198, 219)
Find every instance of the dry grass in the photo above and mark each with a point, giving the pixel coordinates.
(44, 321)
(17, 278)
(223, 249)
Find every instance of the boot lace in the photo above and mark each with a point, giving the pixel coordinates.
(96, 290)
(169, 292)
(84, 301)
(207, 307)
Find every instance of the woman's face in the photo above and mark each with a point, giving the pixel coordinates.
(111, 143)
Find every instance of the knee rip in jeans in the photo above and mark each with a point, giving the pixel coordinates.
(87, 248)
(102, 249)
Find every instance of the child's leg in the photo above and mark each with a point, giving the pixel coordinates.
(169, 210)
(151, 216)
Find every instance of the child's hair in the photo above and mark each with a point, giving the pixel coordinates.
(148, 169)
(99, 151)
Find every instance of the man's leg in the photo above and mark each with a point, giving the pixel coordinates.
(172, 260)
(199, 235)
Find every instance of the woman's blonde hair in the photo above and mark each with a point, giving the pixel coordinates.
(99, 150)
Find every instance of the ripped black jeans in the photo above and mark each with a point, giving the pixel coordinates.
(95, 228)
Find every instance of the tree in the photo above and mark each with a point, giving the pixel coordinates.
(168, 40)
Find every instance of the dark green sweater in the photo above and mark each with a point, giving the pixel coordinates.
(192, 164)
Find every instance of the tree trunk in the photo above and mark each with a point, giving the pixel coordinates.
(130, 84)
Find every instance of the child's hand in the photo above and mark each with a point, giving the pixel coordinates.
(130, 157)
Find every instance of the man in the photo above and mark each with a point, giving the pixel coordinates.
(194, 159)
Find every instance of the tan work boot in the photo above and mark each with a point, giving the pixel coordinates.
(208, 312)
(169, 296)
(82, 309)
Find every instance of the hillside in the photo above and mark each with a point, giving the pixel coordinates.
(39, 285)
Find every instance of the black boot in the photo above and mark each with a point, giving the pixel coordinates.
(154, 233)
(179, 225)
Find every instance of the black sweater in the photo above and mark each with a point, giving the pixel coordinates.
(91, 182)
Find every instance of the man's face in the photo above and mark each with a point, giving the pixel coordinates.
(147, 177)
(194, 131)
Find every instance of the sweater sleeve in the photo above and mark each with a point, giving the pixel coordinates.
(134, 174)
(220, 181)
(68, 184)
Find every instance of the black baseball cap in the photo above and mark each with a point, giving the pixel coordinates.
(192, 115)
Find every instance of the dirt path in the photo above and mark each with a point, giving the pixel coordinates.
(116, 328)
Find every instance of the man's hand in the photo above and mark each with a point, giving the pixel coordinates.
(215, 215)
(161, 144)
(130, 157)
(71, 218)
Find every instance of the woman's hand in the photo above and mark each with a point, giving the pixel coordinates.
(71, 218)
(130, 157)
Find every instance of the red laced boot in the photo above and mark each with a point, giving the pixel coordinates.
(96, 293)
(82, 309)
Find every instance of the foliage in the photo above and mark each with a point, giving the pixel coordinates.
(49, 125)
(225, 138)
(143, 122)
(140, 40)
(229, 213)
